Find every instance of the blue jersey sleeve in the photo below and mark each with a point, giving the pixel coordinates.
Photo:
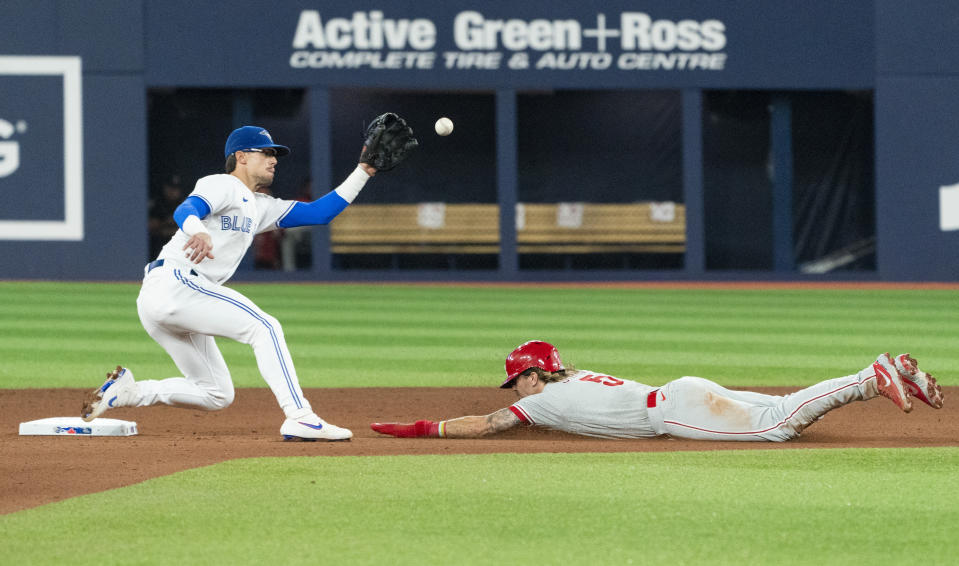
(320, 211)
(192, 206)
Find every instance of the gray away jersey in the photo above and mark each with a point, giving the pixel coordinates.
(591, 404)
(236, 215)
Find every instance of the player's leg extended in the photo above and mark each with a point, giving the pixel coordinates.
(701, 409)
(207, 385)
(219, 311)
(806, 406)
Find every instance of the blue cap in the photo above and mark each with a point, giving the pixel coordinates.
(251, 137)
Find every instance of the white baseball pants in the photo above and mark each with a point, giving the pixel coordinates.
(699, 409)
(183, 312)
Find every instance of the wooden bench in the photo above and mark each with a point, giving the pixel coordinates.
(474, 229)
(398, 229)
(602, 228)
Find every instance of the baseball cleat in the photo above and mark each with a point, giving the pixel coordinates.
(312, 427)
(118, 390)
(890, 383)
(921, 385)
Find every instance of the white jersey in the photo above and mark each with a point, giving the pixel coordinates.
(236, 215)
(591, 404)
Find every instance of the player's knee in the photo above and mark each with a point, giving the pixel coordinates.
(264, 328)
(218, 396)
(221, 399)
(273, 324)
(269, 329)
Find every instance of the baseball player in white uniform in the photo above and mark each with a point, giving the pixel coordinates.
(183, 303)
(595, 404)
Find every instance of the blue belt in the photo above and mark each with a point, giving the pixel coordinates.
(157, 263)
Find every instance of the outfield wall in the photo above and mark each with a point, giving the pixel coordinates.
(75, 78)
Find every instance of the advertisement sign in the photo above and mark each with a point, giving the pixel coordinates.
(41, 148)
(562, 44)
(630, 40)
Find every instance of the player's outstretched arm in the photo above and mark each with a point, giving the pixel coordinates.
(472, 427)
(327, 207)
(463, 427)
(389, 141)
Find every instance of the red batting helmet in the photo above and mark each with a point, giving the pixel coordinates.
(532, 354)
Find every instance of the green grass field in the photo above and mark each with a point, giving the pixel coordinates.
(456, 336)
(734, 507)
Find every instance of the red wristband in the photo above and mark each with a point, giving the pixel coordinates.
(422, 428)
(426, 428)
(437, 429)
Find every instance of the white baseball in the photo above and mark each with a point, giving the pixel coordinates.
(444, 126)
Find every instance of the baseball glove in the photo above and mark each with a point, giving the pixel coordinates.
(388, 142)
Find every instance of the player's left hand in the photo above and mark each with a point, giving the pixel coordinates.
(198, 247)
(389, 140)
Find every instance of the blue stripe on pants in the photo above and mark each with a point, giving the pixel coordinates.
(263, 321)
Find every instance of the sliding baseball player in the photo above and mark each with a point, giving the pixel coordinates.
(595, 404)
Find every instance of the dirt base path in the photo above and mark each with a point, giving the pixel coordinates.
(35, 470)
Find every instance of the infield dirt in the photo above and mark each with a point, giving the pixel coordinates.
(36, 470)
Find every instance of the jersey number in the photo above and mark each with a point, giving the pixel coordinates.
(604, 379)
